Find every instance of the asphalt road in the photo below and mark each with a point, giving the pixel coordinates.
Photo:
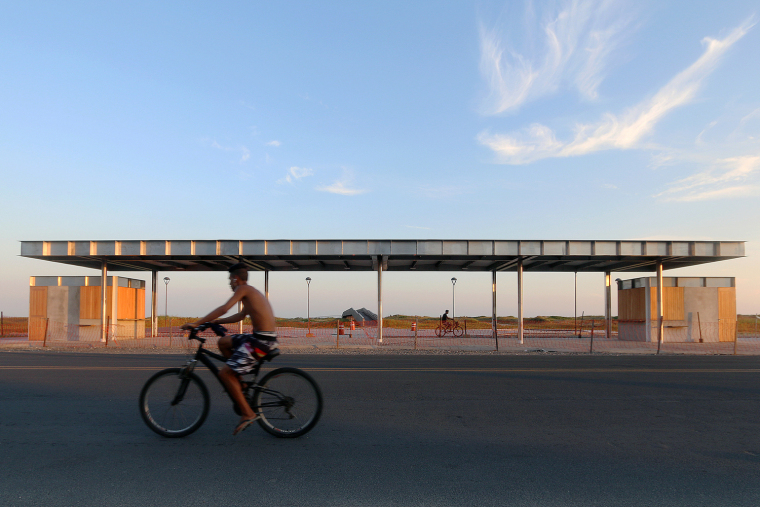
(406, 430)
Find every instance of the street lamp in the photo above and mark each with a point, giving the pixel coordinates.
(453, 284)
(308, 312)
(166, 307)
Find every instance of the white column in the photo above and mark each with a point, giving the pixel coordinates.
(240, 324)
(380, 299)
(103, 309)
(608, 304)
(660, 305)
(153, 304)
(520, 300)
(494, 329)
(266, 284)
(114, 307)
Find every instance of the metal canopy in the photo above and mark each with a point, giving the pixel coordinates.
(395, 255)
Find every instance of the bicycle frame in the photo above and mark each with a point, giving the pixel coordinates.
(202, 355)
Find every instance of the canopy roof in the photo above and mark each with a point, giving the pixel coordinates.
(395, 255)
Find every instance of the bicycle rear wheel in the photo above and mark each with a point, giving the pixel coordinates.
(174, 405)
(440, 331)
(289, 402)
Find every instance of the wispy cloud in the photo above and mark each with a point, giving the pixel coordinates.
(295, 174)
(729, 177)
(612, 131)
(275, 143)
(245, 153)
(569, 43)
(343, 186)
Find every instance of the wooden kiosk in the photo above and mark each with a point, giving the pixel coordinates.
(69, 307)
(695, 309)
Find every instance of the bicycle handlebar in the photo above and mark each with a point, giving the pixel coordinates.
(218, 329)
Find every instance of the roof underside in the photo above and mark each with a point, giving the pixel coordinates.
(395, 255)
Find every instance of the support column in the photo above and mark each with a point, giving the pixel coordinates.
(660, 305)
(114, 323)
(520, 300)
(608, 303)
(494, 328)
(240, 324)
(380, 299)
(266, 284)
(103, 309)
(153, 303)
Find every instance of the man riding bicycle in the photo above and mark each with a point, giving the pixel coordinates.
(242, 350)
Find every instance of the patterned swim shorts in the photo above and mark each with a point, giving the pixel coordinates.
(250, 348)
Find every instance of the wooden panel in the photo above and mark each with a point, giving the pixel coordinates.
(727, 313)
(140, 304)
(126, 303)
(37, 312)
(89, 303)
(38, 301)
(631, 304)
(673, 308)
(131, 303)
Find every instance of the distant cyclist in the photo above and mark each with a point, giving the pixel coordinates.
(242, 350)
(445, 317)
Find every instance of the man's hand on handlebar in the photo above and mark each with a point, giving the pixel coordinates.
(218, 329)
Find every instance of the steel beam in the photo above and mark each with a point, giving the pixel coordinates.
(520, 300)
(380, 299)
(660, 306)
(608, 304)
(494, 328)
(153, 303)
(103, 288)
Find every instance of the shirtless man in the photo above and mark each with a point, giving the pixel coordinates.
(242, 350)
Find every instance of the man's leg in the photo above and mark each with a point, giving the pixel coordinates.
(232, 381)
(225, 346)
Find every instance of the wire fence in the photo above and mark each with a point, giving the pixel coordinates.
(415, 333)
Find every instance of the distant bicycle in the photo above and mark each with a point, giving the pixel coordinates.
(175, 402)
(449, 326)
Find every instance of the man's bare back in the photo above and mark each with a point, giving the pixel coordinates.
(255, 306)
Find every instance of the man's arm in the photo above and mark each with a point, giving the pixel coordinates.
(232, 318)
(237, 296)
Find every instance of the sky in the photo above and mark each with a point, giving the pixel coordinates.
(510, 120)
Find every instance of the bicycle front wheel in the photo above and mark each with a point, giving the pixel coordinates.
(457, 331)
(289, 402)
(174, 404)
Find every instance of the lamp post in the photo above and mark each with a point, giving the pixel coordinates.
(575, 305)
(308, 310)
(453, 306)
(166, 307)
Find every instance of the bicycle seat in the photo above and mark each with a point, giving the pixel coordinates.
(272, 354)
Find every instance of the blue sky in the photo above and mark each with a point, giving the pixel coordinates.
(479, 120)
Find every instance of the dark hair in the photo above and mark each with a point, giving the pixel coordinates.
(240, 270)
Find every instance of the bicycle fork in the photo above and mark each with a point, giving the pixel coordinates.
(184, 376)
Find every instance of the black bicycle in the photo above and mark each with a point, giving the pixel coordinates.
(175, 402)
